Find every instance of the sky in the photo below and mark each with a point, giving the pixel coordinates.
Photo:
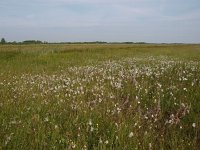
(154, 21)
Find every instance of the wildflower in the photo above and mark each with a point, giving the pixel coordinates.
(56, 126)
(150, 145)
(117, 137)
(106, 142)
(73, 145)
(194, 125)
(90, 122)
(185, 89)
(118, 109)
(159, 85)
(46, 119)
(100, 140)
(130, 135)
(91, 129)
(145, 133)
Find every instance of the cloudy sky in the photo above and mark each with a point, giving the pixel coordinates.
(101, 20)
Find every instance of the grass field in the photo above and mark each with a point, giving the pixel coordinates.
(100, 96)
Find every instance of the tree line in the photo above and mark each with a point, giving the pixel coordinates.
(3, 41)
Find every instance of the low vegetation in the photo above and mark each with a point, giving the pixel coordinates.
(99, 96)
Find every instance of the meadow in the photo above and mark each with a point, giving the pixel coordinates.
(100, 96)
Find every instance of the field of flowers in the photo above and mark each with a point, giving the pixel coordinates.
(100, 97)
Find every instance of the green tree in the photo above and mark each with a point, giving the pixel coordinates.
(3, 41)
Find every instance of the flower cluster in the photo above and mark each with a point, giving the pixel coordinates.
(97, 103)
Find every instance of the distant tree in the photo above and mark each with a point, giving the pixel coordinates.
(128, 43)
(3, 41)
(32, 42)
(141, 43)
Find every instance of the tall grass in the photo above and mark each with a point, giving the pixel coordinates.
(99, 96)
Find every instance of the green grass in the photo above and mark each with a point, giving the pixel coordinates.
(37, 58)
(99, 96)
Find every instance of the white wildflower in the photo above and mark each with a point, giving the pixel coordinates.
(130, 135)
(106, 142)
(90, 122)
(194, 125)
